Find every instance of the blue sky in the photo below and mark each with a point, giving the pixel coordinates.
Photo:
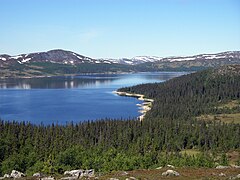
(120, 28)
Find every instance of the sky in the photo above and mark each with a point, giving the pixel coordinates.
(120, 28)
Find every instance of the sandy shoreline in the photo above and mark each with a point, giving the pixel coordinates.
(145, 106)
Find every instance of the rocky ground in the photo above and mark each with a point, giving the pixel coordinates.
(223, 172)
(184, 173)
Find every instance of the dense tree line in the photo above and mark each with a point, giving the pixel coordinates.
(111, 144)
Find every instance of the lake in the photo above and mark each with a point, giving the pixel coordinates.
(74, 98)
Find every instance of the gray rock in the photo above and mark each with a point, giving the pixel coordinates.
(222, 167)
(170, 173)
(48, 178)
(89, 173)
(131, 178)
(80, 173)
(6, 176)
(16, 174)
(36, 175)
(75, 173)
(170, 166)
(222, 175)
(235, 166)
(124, 173)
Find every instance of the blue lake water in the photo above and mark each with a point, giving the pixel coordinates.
(72, 99)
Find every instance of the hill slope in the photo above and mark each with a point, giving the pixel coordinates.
(193, 94)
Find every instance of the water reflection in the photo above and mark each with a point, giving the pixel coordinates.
(87, 81)
(52, 83)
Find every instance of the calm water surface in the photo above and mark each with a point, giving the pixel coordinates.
(72, 99)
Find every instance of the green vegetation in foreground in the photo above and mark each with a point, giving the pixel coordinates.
(169, 134)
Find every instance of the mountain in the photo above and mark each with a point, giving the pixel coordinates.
(222, 55)
(134, 61)
(53, 56)
(72, 58)
(155, 59)
(61, 62)
(193, 63)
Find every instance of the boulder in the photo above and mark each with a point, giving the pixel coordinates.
(222, 175)
(36, 175)
(16, 174)
(80, 173)
(123, 173)
(89, 173)
(170, 173)
(170, 166)
(6, 176)
(75, 173)
(222, 167)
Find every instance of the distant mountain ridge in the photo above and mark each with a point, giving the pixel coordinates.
(151, 59)
(53, 56)
(60, 62)
(72, 58)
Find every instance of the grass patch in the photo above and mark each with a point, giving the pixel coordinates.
(230, 104)
(190, 152)
(227, 118)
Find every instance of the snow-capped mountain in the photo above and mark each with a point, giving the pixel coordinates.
(53, 56)
(222, 55)
(144, 59)
(134, 61)
(68, 57)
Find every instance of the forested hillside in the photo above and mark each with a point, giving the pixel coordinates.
(193, 94)
(167, 130)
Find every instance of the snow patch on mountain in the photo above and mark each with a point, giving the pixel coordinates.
(3, 59)
(26, 60)
(147, 58)
(16, 57)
